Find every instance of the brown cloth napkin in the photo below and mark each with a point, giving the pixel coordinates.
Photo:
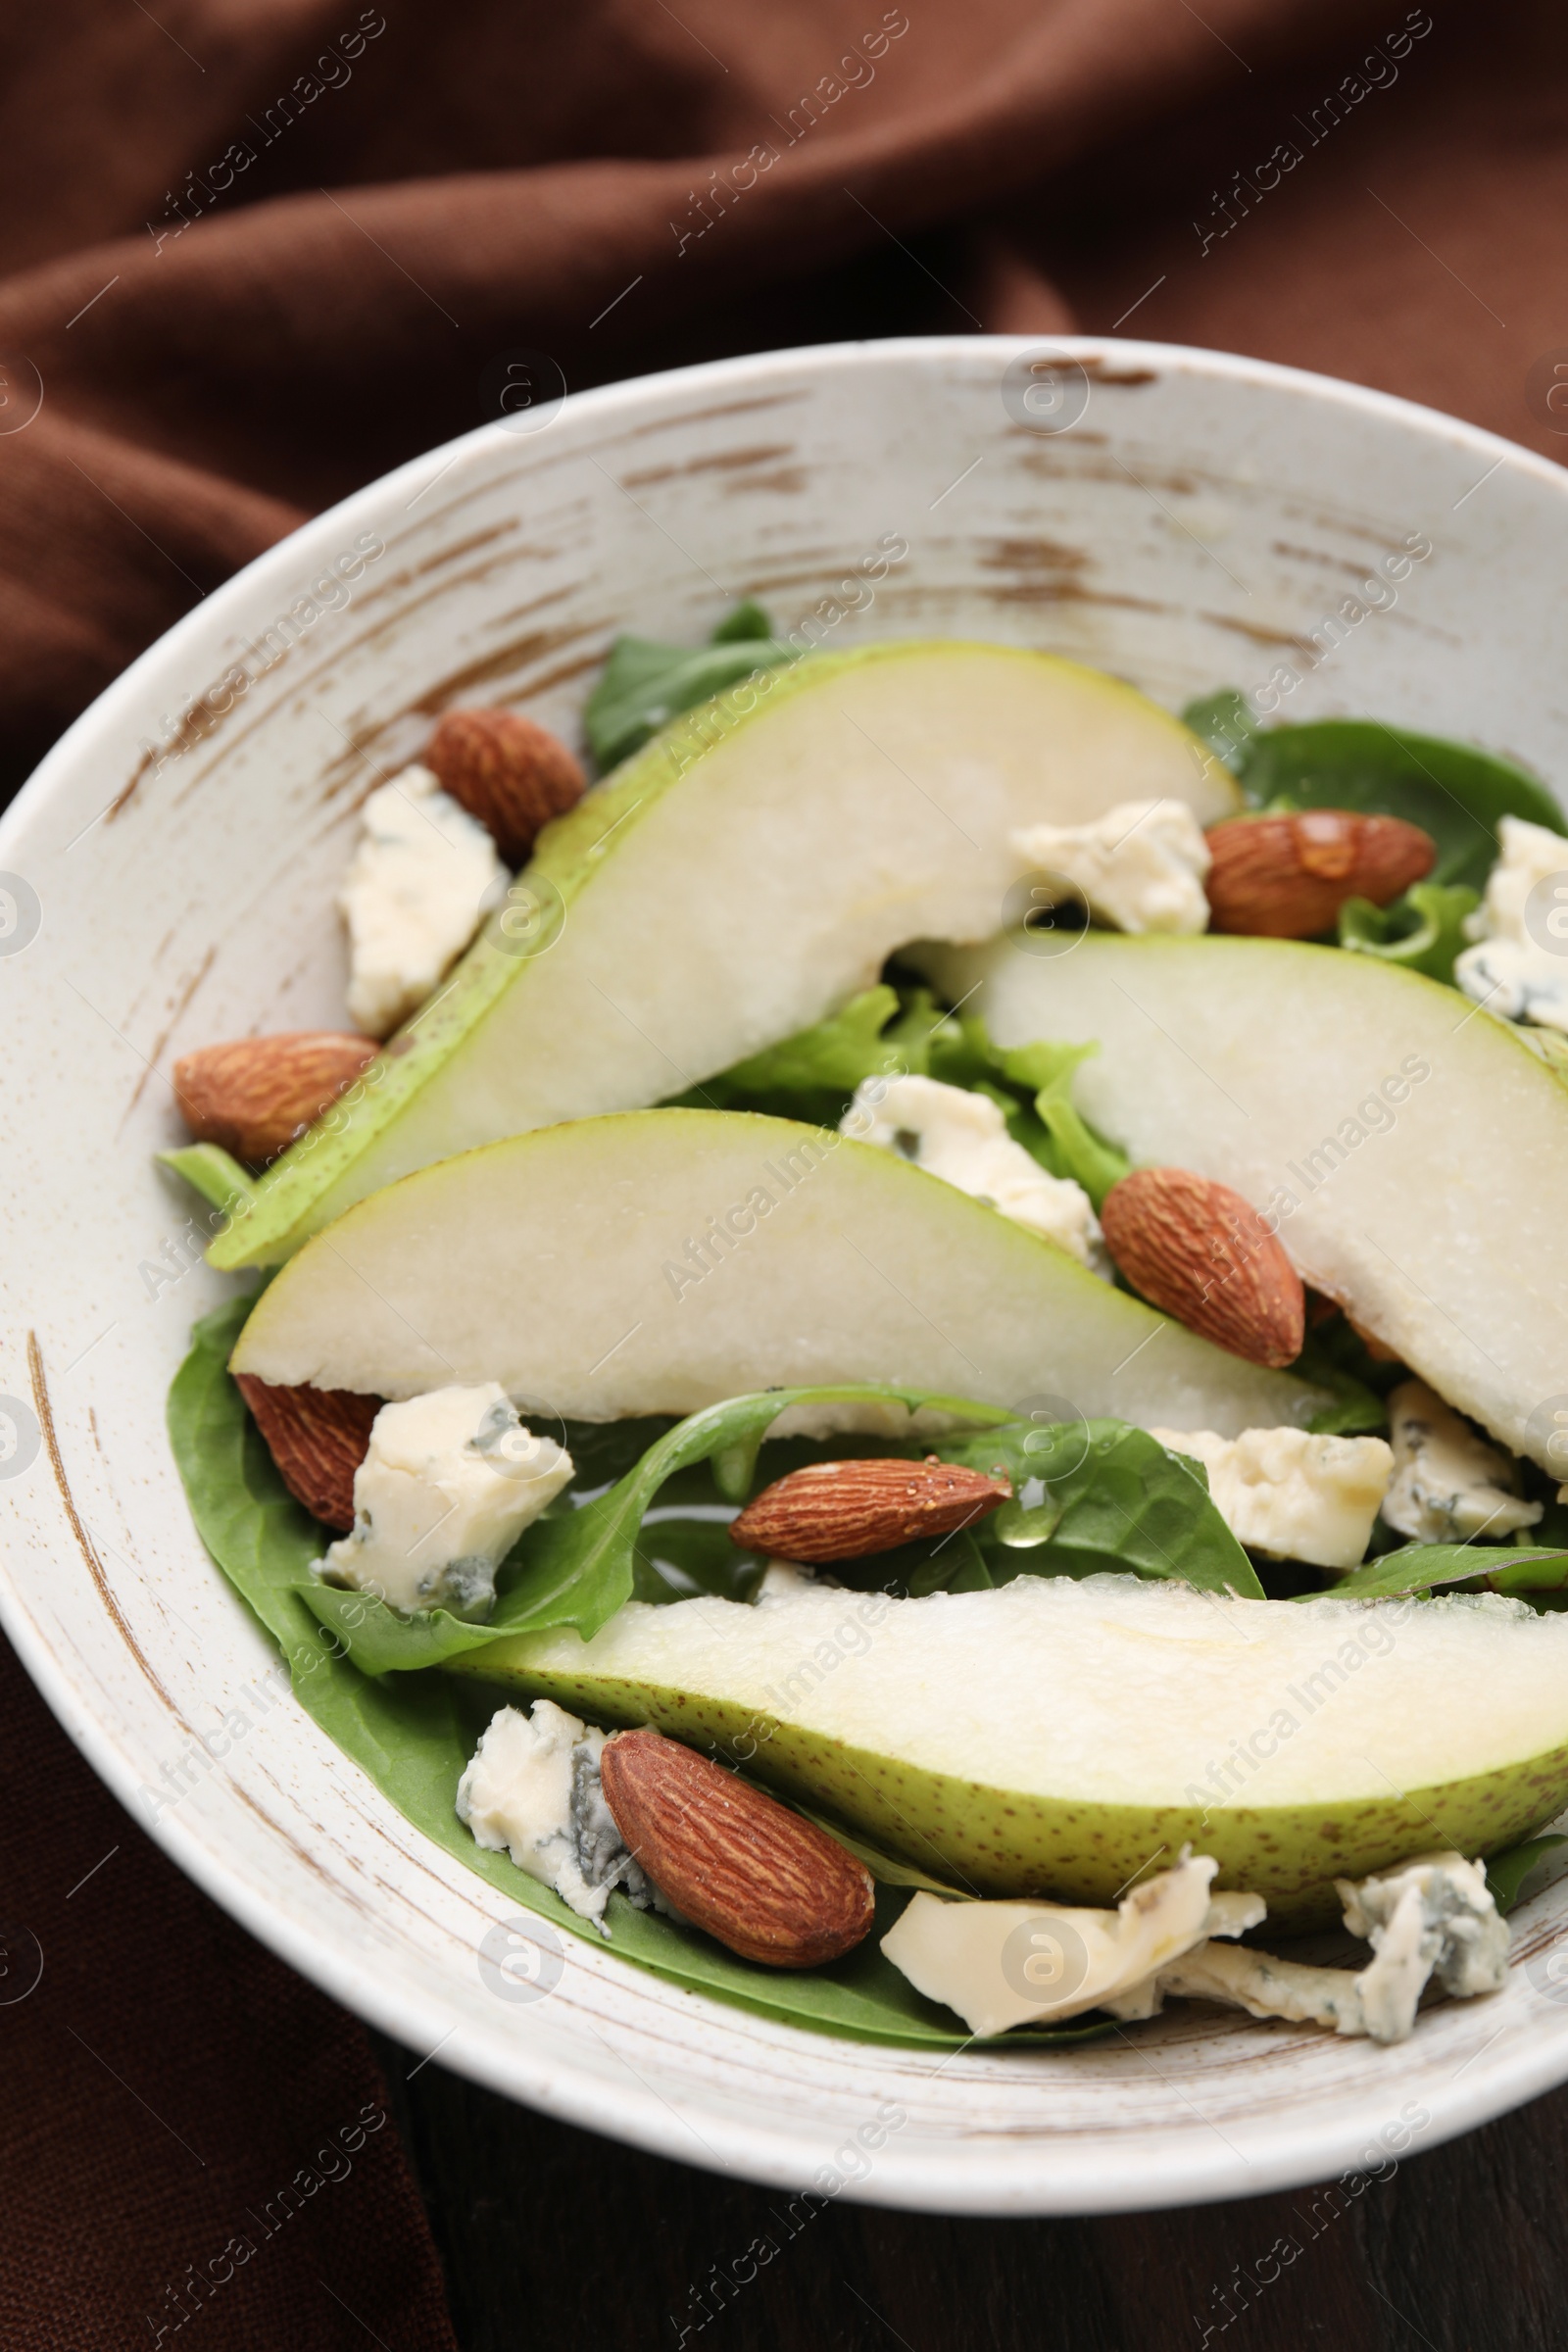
(250, 257)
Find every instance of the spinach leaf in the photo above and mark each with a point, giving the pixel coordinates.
(1450, 790)
(1506, 1873)
(1227, 723)
(1421, 1567)
(411, 1735)
(1424, 930)
(646, 683)
(1089, 1496)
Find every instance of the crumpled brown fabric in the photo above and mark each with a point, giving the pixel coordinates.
(255, 252)
(253, 256)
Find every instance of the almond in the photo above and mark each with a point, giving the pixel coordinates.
(253, 1096)
(1201, 1253)
(512, 775)
(736, 1863)
(317, 1438)
(1287, 877)
(846, 1510)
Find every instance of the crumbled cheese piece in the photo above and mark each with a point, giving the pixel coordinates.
(1449, 1485)
(450, 1482)
(423, 879)
(1262, 1986)
(1516, 979)
(1140, 866)
(1288, 1495)
(1519, 969)
(1432, 1916)
(1010, 1964)
(1527, 854)
(533, 1789)
(783, 1579)
(962, 1138)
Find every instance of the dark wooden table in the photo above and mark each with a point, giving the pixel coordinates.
(553, 2236)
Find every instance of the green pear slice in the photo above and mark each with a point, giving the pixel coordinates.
(1414, 1150)
(657, 1261)
(1057, 1738)
(743, 876)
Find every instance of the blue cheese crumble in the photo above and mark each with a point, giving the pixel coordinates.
(962, 1138)
(1449, 1485)
(533, 1791)
(1140, 866)
(1289, 1495)
(450, 1482)
(421, 881)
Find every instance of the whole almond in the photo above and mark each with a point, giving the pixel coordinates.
(1201, 1253)
(1287, 877)
(847, 1510)
(253, 1096)
(735, 1862)
(317, 1438)
(509, 772)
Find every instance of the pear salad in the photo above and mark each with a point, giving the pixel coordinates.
(911, 1354)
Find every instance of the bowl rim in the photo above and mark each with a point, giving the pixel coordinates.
(993, 2178)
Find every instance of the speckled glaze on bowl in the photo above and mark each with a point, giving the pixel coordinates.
(1196, 521)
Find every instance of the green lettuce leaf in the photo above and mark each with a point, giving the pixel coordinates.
(411, 1735)
(813, 1074)
(831, 1057)
(646, 683)
(1047, 1069)
(1424, 930)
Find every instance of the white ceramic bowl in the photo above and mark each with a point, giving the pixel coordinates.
(1191, 528)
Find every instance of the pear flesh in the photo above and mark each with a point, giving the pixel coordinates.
(662, 1260)
(745, 875)
(1412, 1148)
(1054, 1735)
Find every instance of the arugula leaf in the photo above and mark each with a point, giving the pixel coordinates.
(411, 1735)
(1506, 1873)
(1424, 930)
(646, 683)
(1089, 1496)
(1079, 1153)
(1450, 790)
(1421, 1567)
